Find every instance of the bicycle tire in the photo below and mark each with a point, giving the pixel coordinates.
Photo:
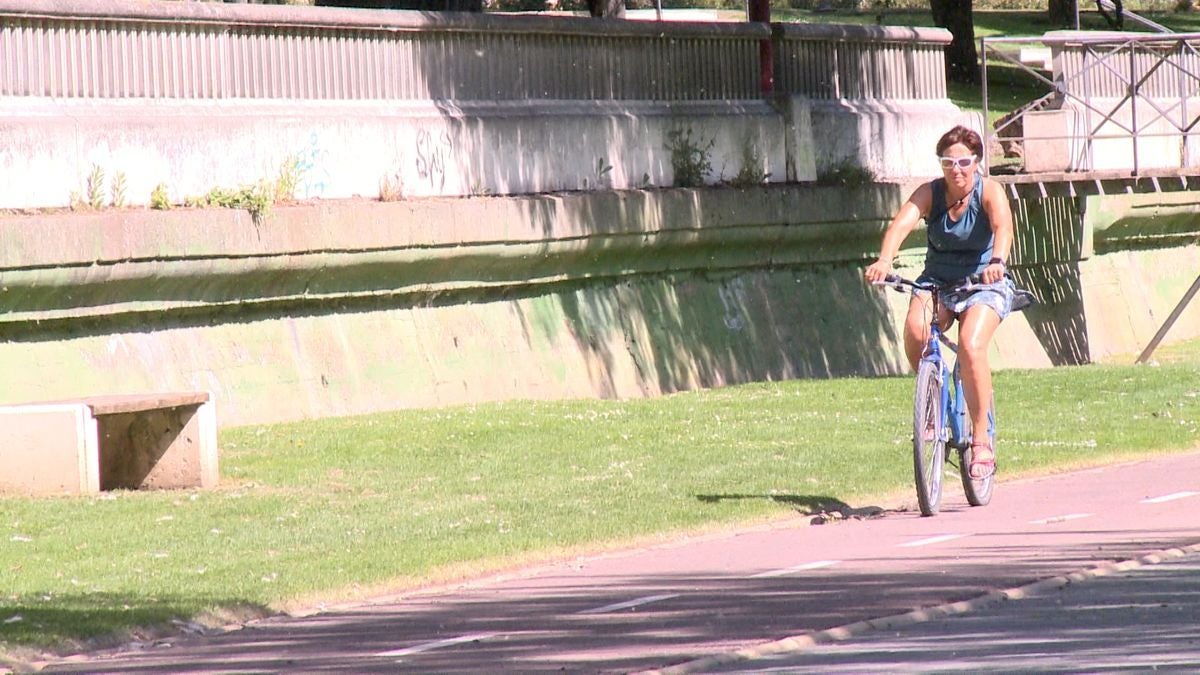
(978, 492)
(929, 445)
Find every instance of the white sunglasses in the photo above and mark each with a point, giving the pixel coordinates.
(960, 162)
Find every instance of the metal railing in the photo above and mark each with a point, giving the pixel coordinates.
(171, 50)
(132, 49)
(860, 62)
(1115, 101)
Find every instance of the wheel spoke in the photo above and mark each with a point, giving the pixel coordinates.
(928, 437)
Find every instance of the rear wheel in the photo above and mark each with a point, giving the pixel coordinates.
(929, 445)
(978, 492)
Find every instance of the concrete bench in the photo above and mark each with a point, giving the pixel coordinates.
(122, 441)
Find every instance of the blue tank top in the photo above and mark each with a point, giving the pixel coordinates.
(957, 249)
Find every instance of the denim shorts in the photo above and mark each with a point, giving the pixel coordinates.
(999, 296)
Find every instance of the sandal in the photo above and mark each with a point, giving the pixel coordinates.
(981, 468)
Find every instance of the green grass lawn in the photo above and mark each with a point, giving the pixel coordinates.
(340, 509)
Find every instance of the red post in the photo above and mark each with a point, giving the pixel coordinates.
(760, 11)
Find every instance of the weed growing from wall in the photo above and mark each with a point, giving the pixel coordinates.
(256, 199)
(288, 178)
(691, 157)
(95, 187)
(847, 174)
(752, 172)
(116, 190)
(159, 199)
(602, 177)
(391, 187)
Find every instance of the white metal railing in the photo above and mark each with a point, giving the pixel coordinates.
(121, 49)
(188, 50)
(845, 61)
(1135, 98)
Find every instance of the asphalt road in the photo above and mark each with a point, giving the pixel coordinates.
(1090, 570)
(1145, 617)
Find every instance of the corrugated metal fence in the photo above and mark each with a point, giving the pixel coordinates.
(859, 62)
(124, 49)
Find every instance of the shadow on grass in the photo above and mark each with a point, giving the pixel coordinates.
(65, 623)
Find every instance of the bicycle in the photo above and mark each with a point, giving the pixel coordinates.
(940, 416)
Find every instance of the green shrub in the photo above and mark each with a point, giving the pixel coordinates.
(255, 199)
(847, 174)
(691, 158)
(159, 199)
(752, 172)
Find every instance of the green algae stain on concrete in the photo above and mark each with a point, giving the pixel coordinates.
(545, 329)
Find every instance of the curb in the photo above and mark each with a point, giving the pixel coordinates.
(803, 642)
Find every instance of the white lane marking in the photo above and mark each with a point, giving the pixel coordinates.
(818, 564)
(1171, 497)
(931, 540)
(1060, 519)
(438, 644)
(617, 606)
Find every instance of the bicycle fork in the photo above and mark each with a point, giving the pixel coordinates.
(956, 411)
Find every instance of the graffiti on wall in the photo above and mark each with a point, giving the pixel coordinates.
(433, 153)
(312, 168)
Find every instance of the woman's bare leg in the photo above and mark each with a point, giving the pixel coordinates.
(916, 327)
(976, 328)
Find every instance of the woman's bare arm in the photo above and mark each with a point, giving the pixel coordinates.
(906, 219)
(995, 203)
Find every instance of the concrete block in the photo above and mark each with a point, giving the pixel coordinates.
(154, 441)
(1036, 56)
(1047, 142)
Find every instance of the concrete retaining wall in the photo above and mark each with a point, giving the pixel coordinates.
(107, 101)
(339, 150)
(348, 307)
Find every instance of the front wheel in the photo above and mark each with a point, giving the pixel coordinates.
(978, 492)
(929, 444)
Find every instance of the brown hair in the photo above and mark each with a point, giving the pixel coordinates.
(961, 134)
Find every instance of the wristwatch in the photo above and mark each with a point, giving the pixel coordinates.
(998, 261)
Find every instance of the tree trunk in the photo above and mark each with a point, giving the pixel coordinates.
(962, 59)
(1116, 20)
(1062, 13)
(613, 9)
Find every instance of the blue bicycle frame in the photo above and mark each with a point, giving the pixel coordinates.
(954, 397)
(941, 419)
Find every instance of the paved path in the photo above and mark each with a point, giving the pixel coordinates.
(701, 600)
(1144, 617)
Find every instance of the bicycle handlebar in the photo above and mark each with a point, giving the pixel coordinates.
(898, 283)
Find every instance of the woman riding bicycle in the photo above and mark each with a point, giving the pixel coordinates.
(970, 231)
